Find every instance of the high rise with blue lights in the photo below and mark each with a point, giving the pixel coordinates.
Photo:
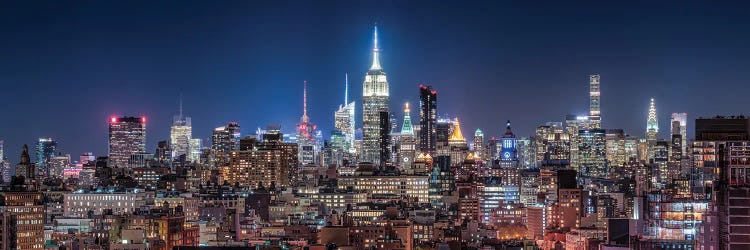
(45, 150)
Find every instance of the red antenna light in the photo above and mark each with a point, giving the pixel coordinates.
(113, 119)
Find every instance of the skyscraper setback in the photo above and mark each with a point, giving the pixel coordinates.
(427, 118)
(127, 136)
(375, 99)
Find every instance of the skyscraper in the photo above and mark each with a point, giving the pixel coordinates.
(344, 120)
(45, 150)
(592, 153)
(479, 147)
(306, 134)
(652, 128)
(224, 139)
(181, 137)
(595, 117)
(127, 136)
(457, 144)
(407, 146)
(509, 152)
(375, 100)
(427, 119)
(385, 138)
(679, 127)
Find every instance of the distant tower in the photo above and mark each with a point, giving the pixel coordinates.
(374, 101)
(595, 118)
(306, 134)
(679, 127)
(408, 144)
(479, 151)
(344, 120)
(45, 151)
(25, 168)
(457, 144)
(509, 153)
(427, 119)
(181, 138)
(652, 124)
(652, 130)
(127, 136)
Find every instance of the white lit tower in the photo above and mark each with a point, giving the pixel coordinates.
(181, 138)
(344, 119)
(375, 100)
(652, 129)
(595, 118)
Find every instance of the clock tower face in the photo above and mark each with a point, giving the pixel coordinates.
(406, 159)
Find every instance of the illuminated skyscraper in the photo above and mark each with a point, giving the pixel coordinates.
(375, 100)
(181, 138)
(344, 121)
(427, 119)
(592, 153)
(479, 145)
(572, 125)
(224, 139)
(127, 136)
(45, 150)
(509, 152)
(457, 144)
(679, 127)
(595, 117)
(408, 144)
(652, 129)
(306, 134)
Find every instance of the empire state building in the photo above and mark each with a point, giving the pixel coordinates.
(374, 101)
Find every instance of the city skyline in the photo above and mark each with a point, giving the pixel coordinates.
(462, 93)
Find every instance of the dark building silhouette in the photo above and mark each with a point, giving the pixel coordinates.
(427, 118)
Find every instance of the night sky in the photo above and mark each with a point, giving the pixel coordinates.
(67, 66)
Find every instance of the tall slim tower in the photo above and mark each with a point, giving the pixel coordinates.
(375, 100)
(652, 128)
(595, 117)
(427, 119)
(127, 136)
(181, 137)
(344, 119)
(306, 134)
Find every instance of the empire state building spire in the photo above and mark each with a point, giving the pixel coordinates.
(375, 99)
(375, 52)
